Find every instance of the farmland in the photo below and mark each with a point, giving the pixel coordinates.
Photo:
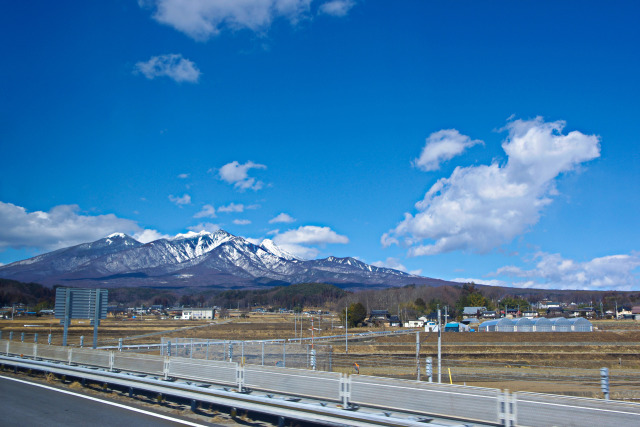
(566, 363)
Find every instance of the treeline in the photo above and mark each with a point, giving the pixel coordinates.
(408, 301)
(32, 294)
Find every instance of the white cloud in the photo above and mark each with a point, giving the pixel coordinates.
(180, 201)
(241, 222)
(173, 66)
(237, 174)
(479, 208)
(62, 226)
(337, 7)
(310, 235)
(296, 241)
(442, 146)
(146, 236)
(202, 19)
(183, 176)
(390, 263)
(299, 251)
(283, 217)
(552, 271)
(207, 211)
(232, 207)
(206, 226)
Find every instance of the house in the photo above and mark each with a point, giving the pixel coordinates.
(414, 324)
(635, 309)
(472, 311)
(489, 314)
(379, 315)
(623, 311)
(198, 313)
(394, 321)
(530, 314)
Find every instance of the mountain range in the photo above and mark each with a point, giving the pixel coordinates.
(204, 259)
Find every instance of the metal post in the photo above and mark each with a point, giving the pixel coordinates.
(242, 354)
(49, 339)
(230, 352)
(604, 382)
(191, 349)
(67, 316)
(417, 356)
(81, 341)
(22, 337)
(96, 319)
(119, 344)
(35, 338)
(429, 369)
(10, 335)
(207, 355)
(346, 330)
(284, 354)
(439, 349)
(313, 359)
(262, 353)
(169, 348)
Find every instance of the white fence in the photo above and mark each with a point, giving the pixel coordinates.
(485, 405)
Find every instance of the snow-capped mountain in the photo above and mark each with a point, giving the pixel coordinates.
(218, 260)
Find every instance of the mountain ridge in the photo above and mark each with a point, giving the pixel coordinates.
(204, 259)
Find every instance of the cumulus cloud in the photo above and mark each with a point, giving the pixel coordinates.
(232, 207)
(206, 226)
(442, 146)
(336, 7)
(203, 19)
(552, 271)
(479, 208)
(180, 201)
(390, 263)
(60, 227)
(310, 235)
(486, 282)
(241, 221)
(283, 217)
(146, 236)
(297, 241)
(207, 211)
(238, 175)
(173, 66)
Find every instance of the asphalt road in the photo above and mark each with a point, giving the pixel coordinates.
(23, 403)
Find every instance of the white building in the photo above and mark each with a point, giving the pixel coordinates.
(198, 313)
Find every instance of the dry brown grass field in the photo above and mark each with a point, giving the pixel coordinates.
(566, 363)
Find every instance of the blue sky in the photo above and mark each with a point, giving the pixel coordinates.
(487, 141)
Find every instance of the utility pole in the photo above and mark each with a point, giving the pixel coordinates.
(446, 314)
(439, 349)
(346, 330)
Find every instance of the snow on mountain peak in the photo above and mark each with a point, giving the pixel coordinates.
(270, 246)
(114, 235)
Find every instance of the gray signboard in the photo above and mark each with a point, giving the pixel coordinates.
(80, 303)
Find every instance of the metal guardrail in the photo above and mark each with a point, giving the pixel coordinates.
(475, 404)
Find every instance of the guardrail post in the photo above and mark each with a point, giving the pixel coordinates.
(81, 341)
(345, 390)
(49, 339)
(240, 377)
(70, 354)
(166, 367)
(119, 344)
(111, 360)
(506, 409)
(604, 382)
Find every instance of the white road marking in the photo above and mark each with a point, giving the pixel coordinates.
(129, 408)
